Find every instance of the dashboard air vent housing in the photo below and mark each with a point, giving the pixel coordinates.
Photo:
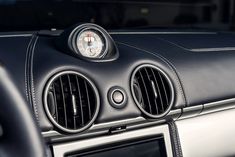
(152, 91)
(71, 101)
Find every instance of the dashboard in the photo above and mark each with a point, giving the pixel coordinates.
(126, 93)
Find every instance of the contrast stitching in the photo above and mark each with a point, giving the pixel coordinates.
(29, 76)
(171, 66)
(32, 82)
(26, 67)
(175, 138)
(181, 81)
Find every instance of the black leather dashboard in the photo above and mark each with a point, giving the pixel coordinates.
(204, 62)
(200, 65)
(105, 75)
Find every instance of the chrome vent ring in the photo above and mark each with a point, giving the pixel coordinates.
(152, 90)
(71, 101)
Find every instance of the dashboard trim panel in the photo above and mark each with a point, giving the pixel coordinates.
(15, 35)
(62, 149)
(209, 135)
(138, 122)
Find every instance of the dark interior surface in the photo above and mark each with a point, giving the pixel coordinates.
(26, 15)
(183, 65)
(165, 67)
(200, 71)
(197, 61)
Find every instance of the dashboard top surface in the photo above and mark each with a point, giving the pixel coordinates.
(200, 67)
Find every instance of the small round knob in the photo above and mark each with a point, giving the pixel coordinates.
(117, 97)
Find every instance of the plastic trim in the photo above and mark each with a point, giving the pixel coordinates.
(60, 150)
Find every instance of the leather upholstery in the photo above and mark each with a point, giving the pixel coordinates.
(203, 62)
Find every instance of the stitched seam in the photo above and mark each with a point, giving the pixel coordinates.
(171, 66)
(179, 46)
(175, 137)
(178, 139)
(164, 40)
(32, 81)
(181, 82)
(26, 67)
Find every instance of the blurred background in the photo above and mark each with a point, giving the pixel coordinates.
(21, 15)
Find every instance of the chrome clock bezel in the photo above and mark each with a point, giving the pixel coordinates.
(76, 34)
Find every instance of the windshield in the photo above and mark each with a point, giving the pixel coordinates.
(26, 15)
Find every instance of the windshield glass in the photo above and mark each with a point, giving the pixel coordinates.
(26, 15)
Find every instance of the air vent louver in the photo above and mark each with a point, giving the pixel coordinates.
(71, 101)
(152, 91)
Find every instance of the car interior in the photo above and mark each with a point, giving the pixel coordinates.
(99, 78)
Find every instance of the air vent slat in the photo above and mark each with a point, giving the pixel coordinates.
(158, 90)
(71, 101)
(153, 86)
(55, 100)
(145, 92)
(149, 89)
(59, 101)
(154, 98)
(80, 101)
(164, 88)
(64, 105)
(70, 86)
(88, 100)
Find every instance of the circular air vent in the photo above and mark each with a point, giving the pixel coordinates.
(152, 91)
(71, 101)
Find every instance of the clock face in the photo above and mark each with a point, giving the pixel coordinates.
(91, 44)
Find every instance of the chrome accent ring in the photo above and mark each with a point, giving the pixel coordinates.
(168, 81)
(47, 109)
